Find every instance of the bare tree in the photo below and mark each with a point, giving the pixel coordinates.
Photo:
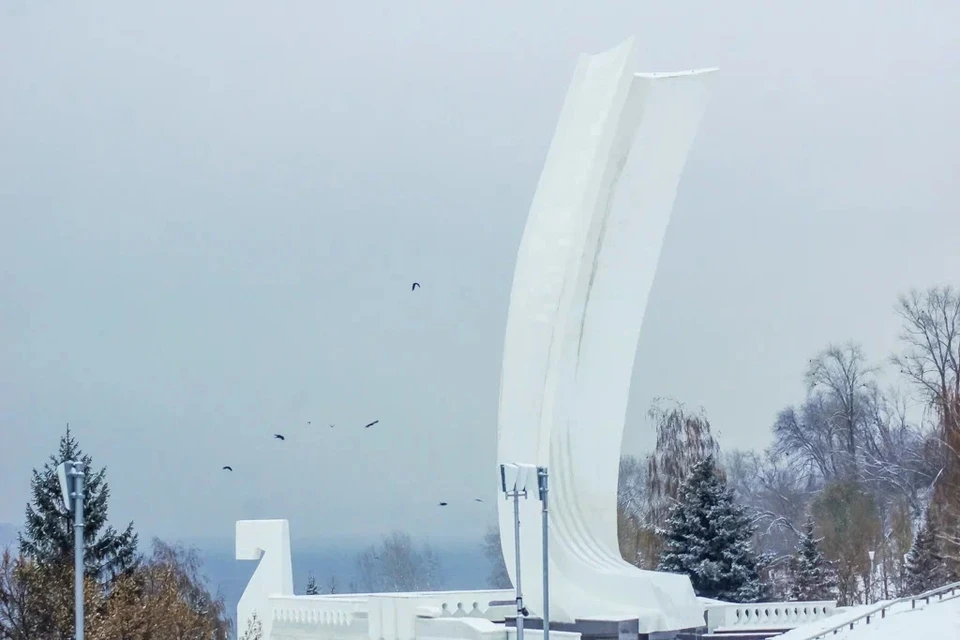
(683, 440)
(775, 493)
(931, 338)
(897, 540)
(896, 464)
(850, 434)
(849, 523)
(847, 429)
(632, 485)
(633, 529)
(36, 600)
(398, 565)
(930, 360)
(254, 629)
(808, 437)
(15, 619)
(498, 578)
(842, 374)
(166, 597)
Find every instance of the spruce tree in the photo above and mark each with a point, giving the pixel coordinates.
(47, 537)
(926, 568)
(708, 538)
(811, 577)
(312, 588)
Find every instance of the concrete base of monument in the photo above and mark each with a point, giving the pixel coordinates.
(627, 629)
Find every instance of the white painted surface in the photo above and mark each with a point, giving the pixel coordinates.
(725, 617)
(934, 621)
(269, 542)
(475, 629)
(584, 270)
(360, 616)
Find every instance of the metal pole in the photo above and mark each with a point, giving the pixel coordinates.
(516, 537)
(542, 475)
(78, 548)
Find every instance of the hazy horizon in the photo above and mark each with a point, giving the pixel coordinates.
(212, 215)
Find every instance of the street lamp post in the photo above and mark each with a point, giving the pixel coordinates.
(542, 478)
(870, 588)
(513, 482)
(71, 476)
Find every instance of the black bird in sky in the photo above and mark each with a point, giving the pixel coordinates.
(414, 286)
(443, 504)
(331, 426)
(278, 436)
(477, 500)
(371, 424)
(228, 468)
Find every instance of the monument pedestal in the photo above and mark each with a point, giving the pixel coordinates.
(628, 629)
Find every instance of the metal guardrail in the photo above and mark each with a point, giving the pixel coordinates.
(882, 609)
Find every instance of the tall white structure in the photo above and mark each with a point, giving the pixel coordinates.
(584, 270)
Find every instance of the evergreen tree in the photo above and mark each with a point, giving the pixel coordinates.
(811, 577)
(708, 538)
(926, 568)
(47, 537)
(312, 588)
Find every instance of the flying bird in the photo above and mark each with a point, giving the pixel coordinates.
(477, 500)
(371, 424)
(278, 436)
(228, 468)
(414, 286)
(443, 504)
(331, 426)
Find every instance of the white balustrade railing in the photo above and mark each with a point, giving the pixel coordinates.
(766, 615)
(390, 616)
(317, 610)
(458, 604)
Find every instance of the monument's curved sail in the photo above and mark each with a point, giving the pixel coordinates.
(584, 271)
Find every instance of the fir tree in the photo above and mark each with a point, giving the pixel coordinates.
(811, 577)
(47, 537)
(312, 588)
(926, 568)
(708, 538)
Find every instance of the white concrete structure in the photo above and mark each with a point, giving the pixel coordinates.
(441, 615)
(745, 618)
(444, 615)
(584, 270)
(269, 542)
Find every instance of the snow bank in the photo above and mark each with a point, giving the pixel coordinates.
(935, 620)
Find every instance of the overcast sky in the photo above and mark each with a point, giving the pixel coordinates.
(211, 214)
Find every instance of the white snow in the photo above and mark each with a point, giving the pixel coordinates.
(939, 619)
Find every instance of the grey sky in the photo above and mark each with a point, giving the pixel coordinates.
(211, 214)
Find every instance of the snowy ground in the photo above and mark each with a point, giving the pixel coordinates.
(935, 621)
